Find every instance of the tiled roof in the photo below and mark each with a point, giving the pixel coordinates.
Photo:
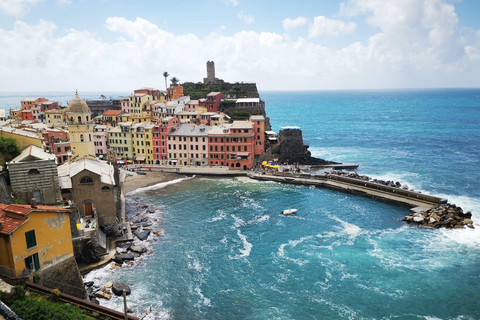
(10, 224)
(112, 112)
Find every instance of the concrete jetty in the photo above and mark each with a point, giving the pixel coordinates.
(414, 200)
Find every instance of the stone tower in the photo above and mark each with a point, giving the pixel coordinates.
(210, 79)
(80, 127)
(210, 70)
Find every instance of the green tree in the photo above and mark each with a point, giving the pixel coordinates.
(174, 81)
(165, 75)
(236, 89)
(8, 150)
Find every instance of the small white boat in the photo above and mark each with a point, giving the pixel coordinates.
(289, 211)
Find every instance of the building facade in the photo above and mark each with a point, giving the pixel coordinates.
(32, 237)
(33, 174)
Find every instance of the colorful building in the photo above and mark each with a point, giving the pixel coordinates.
(58, 143)
(259, 129)
(142, 142)
(56, 117)
(100, 140)
(213, 102)
(120, 140)
(232, 145)
(111, 117)
(174, 92)
(22, 137)
(32, 237)
(188, 145)
(160, 137)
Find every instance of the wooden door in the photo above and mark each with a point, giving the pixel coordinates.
(88, 209)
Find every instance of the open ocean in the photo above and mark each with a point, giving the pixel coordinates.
(226, 253)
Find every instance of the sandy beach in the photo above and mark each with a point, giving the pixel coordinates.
(136, 181)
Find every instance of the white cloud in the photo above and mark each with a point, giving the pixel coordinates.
(248, 19)
(232, 2)
(419, 54)
(17, 8)
(290, 24)
(423, 33)
(329, 27)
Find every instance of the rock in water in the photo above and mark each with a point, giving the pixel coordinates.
(118, 287)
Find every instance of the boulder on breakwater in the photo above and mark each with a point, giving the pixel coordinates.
(442, 216)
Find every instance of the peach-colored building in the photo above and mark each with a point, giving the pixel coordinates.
(259, 129)
(188, 145)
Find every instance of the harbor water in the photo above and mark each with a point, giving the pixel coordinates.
(227, 253)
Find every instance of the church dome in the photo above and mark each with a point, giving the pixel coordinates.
(78, 105)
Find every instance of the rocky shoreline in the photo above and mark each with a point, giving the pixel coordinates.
(446, 215)
(143, 220)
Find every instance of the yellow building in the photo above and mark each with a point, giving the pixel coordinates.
(23, 137)
(32, 237)
(120, 140)
(80, 127)
(55, 117)
(142, 142)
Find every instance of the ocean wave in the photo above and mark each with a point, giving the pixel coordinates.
(159, 185)
(247, 246)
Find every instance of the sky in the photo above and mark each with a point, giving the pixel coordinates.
(94, 45)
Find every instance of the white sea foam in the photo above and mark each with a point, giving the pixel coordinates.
(293, 244)
(159, 185)
(222, 215)
(247, 246)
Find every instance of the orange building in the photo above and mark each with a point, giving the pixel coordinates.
(174, 92)
(259, 129)
(232, 145)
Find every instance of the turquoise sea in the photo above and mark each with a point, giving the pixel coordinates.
(226, 253)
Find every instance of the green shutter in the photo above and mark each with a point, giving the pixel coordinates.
(31, 240)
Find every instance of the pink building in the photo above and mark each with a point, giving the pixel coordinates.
(188, 145)
(160, 137)
(191, 106)
(100, 140)
(125, 103)
(57, 143)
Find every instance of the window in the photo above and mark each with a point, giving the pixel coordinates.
(81, 138)
(33, 171)
(105, 189)
(86, 180)
(31, 240)
(32, 262)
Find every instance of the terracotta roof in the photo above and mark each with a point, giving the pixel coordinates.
(112, 112)
(10, 224)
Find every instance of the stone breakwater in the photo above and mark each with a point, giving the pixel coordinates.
(442, 216)
(388, 183)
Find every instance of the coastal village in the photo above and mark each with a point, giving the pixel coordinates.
(62, 199)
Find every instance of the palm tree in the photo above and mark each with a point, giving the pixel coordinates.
(165, 75)
(174, 81)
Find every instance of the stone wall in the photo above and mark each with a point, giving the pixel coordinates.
(4, 193)
(38, 175)
(64, 276)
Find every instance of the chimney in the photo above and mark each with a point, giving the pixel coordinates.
(33, 203)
